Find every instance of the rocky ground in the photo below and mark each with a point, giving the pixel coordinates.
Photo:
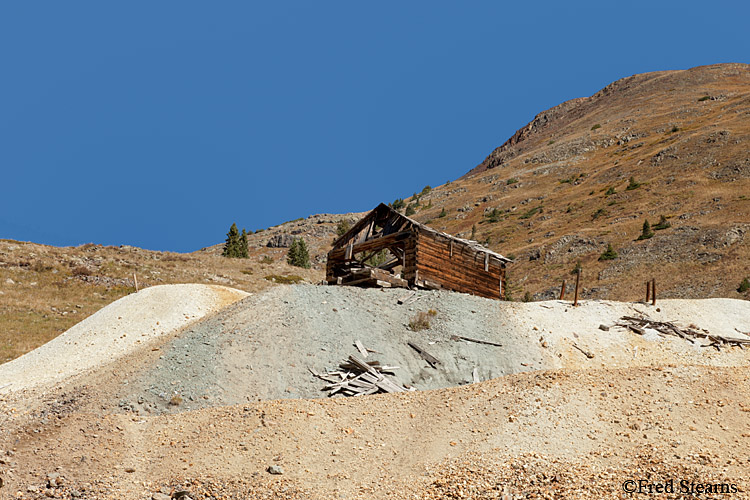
(552, 423)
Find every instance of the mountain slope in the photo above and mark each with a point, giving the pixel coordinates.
(559, 189)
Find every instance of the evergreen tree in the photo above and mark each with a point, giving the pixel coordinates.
(232, 245)
(646, 233)
(298, 254)
(244, 253)
(609, 254)
(473, 232)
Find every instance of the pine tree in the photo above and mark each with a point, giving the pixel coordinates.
(609, 254)
(244, 252)
(298, 254)
(292, 255)
(473, 232)
(646, 233)
(232, 245)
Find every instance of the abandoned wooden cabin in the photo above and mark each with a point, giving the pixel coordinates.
(388, 249)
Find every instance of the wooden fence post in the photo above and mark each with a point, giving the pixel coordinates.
(562, 291)
(648, 291)
(135, 280)
(578, 279)
(653, 292)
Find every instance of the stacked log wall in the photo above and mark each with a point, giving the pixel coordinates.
(463, 271)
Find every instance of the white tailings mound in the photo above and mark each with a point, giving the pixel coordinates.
(115, 331)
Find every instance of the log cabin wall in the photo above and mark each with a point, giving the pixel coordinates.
(456, 267)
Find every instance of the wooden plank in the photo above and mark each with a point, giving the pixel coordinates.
(403, 299)
(349, 252)
(486, 262)
(360, 348)
(475, 376)
(432, 360)
(478, 341)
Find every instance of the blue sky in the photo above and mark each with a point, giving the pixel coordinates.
(158, 124)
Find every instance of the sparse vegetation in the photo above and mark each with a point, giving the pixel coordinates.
(494, 215)
(291, 279)
(426, 189)
(551, 142)
(663, 224)
(398, 204)
(298, 254)
(610, 191)
(595, 127)
(410, 210)
(531, 212)
(176, 400)
(473, 231)
(527, 297)
(421, 321)
(608, 254)
(599, 213)
(443, 213)
(632, 185)
(675, 129)
(704, 98)
(266, 259)
(646, 232)
(342, 227)
(510, 181)
(744, 285)
(577, 269)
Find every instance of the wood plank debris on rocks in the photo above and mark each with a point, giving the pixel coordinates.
(432, 360)
(360, 378)
(668, 328)
(478, 341)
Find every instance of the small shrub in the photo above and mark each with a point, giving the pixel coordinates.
(577, 269)
(432, 312)
(259, 231)
(744, 286)
(633, 185)
(511, 256)
(609, 254)
(443, 213)
(510, 181)
(426, 189)
(81, 271)
(599, 213)
(410, 210)
(527, 297)
(176, 400)
(494, 215)
(597, 126)
(398, 204)
(473, 231)
(531, 212)
(663, 224)
(265, 260)
(551, 142)
(291, 279)
(610, 191)
(421, 321)
(342, 227)
(246, 271)
(704, 98)
(675, 129)
(646, 232)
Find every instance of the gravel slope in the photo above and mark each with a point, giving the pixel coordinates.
(114, 332)
(261, 348)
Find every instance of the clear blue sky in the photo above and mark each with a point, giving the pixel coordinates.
(158, 124)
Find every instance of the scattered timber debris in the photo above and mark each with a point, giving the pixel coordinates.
(478, 341)
(588, 354)
(357, 377)
(665, 328)
(432, 360)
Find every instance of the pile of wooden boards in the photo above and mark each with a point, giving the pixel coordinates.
(357, 377)
(639, 325)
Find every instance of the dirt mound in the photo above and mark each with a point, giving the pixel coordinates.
(263, 347)
(114, 332)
